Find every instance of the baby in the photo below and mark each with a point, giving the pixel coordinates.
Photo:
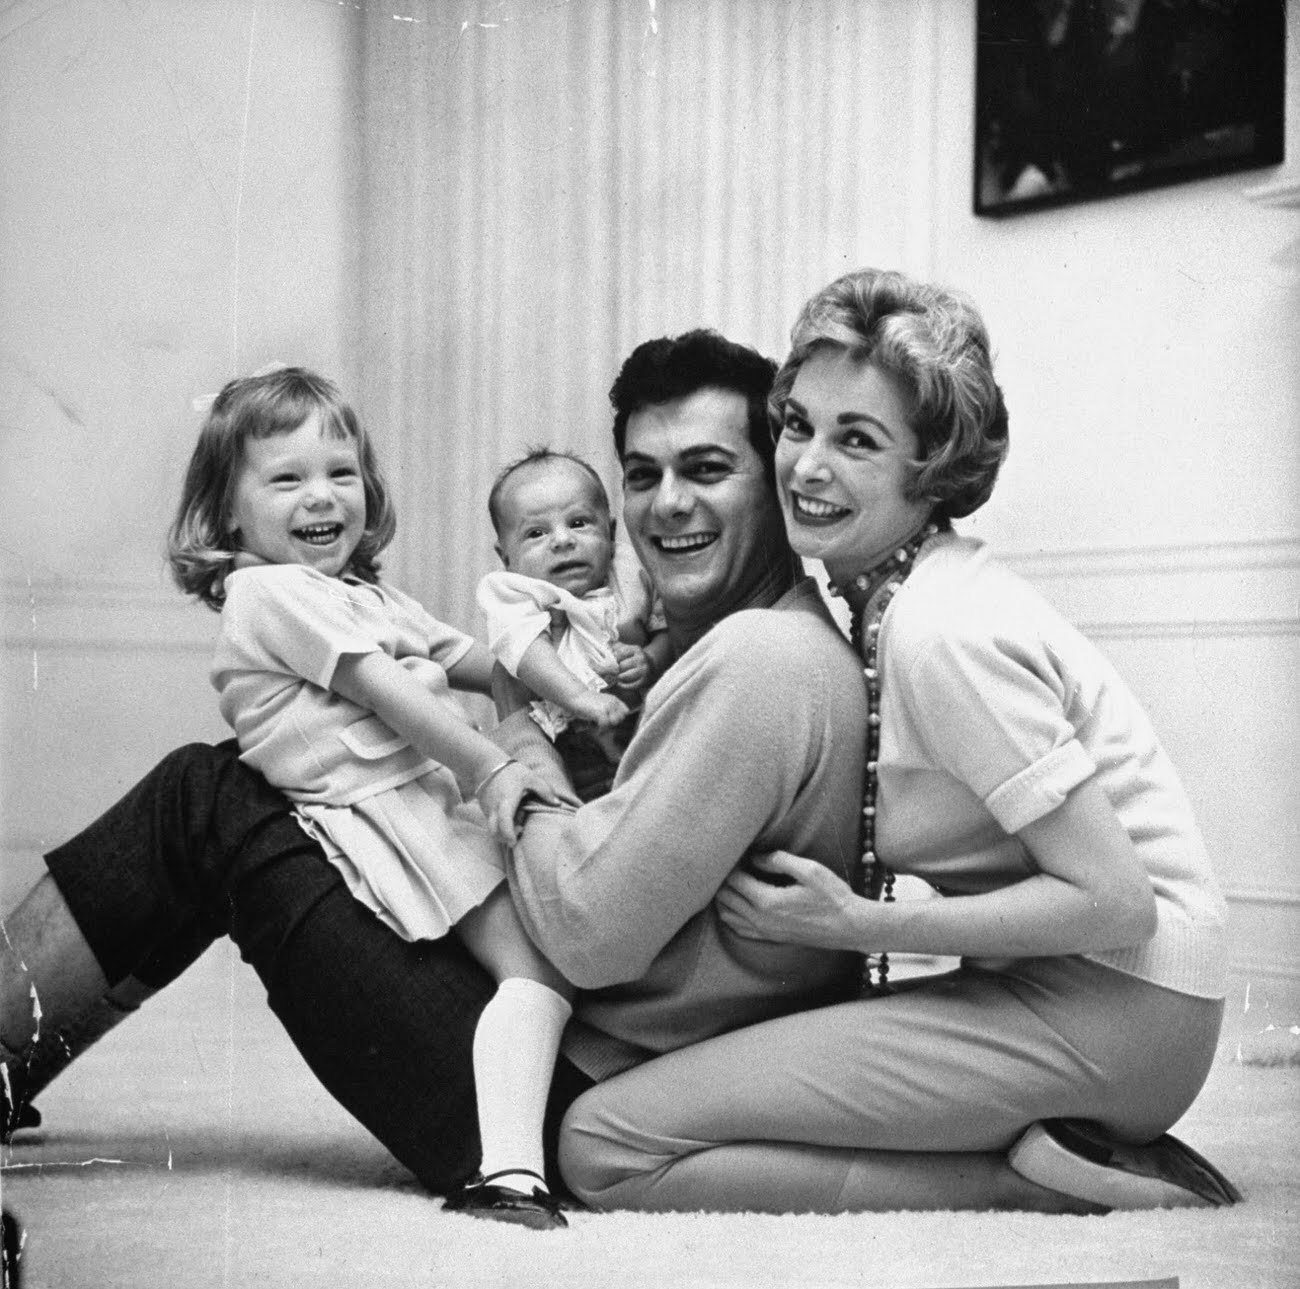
(571, 616)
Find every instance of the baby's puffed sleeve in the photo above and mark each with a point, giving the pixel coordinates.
(517, 610)
(994, 712)
(291, 619)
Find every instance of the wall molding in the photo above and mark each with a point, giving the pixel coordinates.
(1209, 590)
(1193, 591)
(1189, 629)
(1276, 896)
(102, 615)
(1263, 969)
(1128, 561)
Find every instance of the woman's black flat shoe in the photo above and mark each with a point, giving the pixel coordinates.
(539, 1211)
(1076, 1158)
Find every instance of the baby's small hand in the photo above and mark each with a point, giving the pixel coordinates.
(633, 666)
(604, 711)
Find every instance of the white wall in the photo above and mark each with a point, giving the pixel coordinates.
(543, 186)
(584, 176)
(1148, 347)
(551, 185)
(177, 187)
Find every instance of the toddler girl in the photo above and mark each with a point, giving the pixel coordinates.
(571, 616)
(338, 689)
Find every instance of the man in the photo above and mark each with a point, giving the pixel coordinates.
(752, 740)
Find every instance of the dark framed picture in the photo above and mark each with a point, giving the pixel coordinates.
(1076, 99)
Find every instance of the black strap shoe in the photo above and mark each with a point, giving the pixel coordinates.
(1077, 1158)
(539, 1211)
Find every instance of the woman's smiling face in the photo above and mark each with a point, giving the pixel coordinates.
(844, 460)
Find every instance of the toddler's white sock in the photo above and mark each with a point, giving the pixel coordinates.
(515, 1047)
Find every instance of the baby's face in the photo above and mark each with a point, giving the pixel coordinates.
(555, 527)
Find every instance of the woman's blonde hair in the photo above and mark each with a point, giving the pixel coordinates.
(200, 546)
(934, 342)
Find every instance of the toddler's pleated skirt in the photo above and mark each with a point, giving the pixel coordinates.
(416, 855)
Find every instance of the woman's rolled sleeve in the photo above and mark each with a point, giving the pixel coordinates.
(1039, 788)
(994, 714)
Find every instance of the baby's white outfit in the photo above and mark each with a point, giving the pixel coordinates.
(519, 608)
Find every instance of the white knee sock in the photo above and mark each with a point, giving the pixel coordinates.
(515, 1046)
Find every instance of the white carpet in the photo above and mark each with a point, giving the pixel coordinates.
(193, 1148)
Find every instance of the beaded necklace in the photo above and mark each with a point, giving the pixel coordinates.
(869, 595)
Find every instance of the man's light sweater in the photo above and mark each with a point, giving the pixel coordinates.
(751, 741)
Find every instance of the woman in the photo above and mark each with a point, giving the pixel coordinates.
(1010, 768)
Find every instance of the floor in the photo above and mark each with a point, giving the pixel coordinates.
(193, 1148)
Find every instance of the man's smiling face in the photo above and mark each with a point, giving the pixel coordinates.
(696, 503)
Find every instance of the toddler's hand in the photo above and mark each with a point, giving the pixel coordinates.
(633, 665)
(604, 711)
(502, 795)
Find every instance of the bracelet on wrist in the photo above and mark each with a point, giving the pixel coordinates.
(492, 774)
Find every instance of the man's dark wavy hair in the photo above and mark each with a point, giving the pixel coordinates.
(670, 368)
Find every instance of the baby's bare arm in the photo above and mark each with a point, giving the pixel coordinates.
(546, 675)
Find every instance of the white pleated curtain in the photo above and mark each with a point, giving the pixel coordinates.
(544, 185)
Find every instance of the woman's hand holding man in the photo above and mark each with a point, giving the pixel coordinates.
(787, 898)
